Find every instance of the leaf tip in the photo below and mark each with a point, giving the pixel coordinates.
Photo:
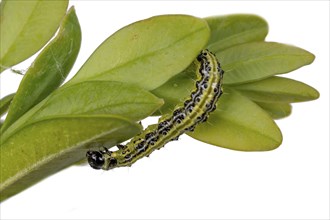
(311, 57)
(277, 139)
(72, 9)
(315, 94)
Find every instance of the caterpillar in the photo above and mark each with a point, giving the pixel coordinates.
(196, 109)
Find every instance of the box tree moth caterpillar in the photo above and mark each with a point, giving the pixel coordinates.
(195, 109)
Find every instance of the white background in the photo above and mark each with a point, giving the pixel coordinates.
(190, 179)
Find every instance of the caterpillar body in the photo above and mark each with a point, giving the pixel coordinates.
(196, 109)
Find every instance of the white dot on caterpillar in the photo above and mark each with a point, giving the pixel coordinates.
(204, 72)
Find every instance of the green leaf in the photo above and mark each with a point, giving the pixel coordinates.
(100, 97)
(92, 98)
(176, 90)
(239, 124)
(45, 147)
(147, 53)
(5, 103)
(49, 69)
(276, 110)
(278, 89)
(26, 26)
(258, 60)
(231, 30)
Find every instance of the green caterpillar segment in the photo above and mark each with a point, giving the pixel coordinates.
(196, 109)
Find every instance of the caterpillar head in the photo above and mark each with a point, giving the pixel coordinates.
(101, 159)
(95, 159)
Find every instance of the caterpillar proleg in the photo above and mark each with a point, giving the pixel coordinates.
(196, 109)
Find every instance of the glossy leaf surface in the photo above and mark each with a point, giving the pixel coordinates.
(26, 26)
(259, 60)
(100, 97)
(176, 90)
(276, 110)
(45, 147)
(92, 98)
(278, 89)
(147, 53)
(239, 124)
(49, 69)
(235, 116)
(231, 30)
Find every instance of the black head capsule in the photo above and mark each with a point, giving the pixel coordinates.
(95, 159)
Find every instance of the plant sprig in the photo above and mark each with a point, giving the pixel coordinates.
(149, 74)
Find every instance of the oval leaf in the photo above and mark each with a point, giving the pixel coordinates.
(49, 69)
(48, 146)
(100, 97)
(26, 26)
(231, 30)
(278, 89)
(276, 110)
(239, 124)
(94, 97)
(5, 103)
(147, 53)
(258, 60)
